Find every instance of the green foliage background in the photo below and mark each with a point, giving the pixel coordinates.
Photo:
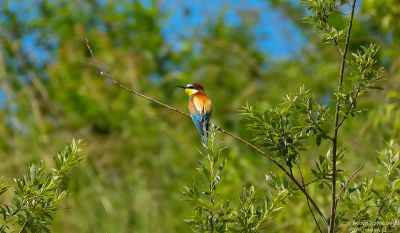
(139, 156)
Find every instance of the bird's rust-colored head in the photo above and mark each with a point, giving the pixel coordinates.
(192, 89)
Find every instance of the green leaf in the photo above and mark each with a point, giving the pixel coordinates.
(318, 140)
(376, 88)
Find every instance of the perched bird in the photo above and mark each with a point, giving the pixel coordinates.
(200, 108)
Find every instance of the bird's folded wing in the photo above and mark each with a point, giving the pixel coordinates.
(200, 111)
(202, 103)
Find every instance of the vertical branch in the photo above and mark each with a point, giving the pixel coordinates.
(337, 120)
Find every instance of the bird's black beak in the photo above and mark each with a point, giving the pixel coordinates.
(183, 87)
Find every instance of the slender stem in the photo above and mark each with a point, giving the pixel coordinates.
(311, 182)
(347, 183)
(337, 120)
(338, 47)
(217, 128)
(319, 127)
(315, 219)
(308, 203)
(346, 115)
(23, 227)
(379, 214)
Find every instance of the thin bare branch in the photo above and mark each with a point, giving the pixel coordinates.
(111, 78)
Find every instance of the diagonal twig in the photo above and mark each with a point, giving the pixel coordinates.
(347, 183)
(308, 203)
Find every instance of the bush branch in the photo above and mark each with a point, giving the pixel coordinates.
(336, 127)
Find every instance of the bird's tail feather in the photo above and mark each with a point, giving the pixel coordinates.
(204, 138)
(204, 133)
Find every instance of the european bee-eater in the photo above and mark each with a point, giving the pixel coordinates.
(200, 108)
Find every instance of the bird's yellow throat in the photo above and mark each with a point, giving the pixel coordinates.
(190, 91)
